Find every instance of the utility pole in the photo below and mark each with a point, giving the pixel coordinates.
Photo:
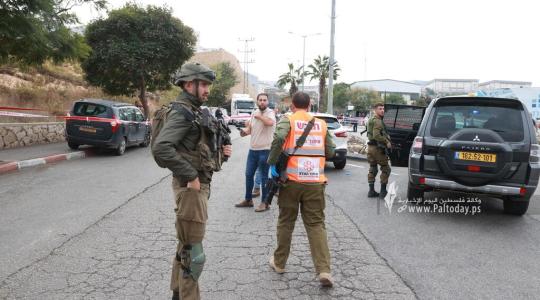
(246, 61)
(330, 108)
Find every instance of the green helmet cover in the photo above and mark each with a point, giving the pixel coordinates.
(193, 71)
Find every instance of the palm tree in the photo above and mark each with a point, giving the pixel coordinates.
(319, 70)
(292, 77)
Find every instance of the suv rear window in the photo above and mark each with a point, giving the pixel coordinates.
(505, 120)
(87, 109)
(331, 123)
(402, 117)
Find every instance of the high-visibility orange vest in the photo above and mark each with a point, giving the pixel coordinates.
(307, 163)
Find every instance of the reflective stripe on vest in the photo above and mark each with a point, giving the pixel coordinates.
(307, 164)
(307, 152)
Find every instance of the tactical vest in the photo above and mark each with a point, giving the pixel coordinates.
(307, 163)
(369, 127)
(202, 157)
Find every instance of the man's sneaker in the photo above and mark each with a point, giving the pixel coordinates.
(273, 265)
(256, 192)
(326, 280)
(245, 203)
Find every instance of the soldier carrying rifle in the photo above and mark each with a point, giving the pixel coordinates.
(378, 146)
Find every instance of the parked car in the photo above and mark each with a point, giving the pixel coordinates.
(476, 145)
(106, 124)
(339, 136)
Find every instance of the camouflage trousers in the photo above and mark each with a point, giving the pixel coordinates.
(191, 215)
(375, 157)
(309, 200)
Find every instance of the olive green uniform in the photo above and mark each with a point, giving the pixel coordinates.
(378, 138)
(306, 197)
(182, 146)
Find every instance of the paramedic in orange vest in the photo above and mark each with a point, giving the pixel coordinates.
(304, 188)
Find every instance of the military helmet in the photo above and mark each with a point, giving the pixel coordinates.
(193, 70)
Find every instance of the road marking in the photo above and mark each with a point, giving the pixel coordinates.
(356, 166)
(394, 173)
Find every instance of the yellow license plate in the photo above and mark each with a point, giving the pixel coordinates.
(87, 129)
(476, 156)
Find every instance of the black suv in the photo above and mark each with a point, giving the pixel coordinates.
(106, 124)
(476, 145)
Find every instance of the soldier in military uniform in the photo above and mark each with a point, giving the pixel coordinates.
(304, 188)
(183, 147)
(379, 142)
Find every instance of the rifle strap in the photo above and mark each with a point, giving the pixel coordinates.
(302, 139)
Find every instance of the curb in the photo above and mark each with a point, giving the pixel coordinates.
(23, 164)
(356, 156)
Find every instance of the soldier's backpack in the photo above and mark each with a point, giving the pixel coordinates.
(159, 119)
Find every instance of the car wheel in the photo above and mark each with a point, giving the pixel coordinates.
(414, 194)
(73, 146)
(121, 149)
(340, 164)
(514, 207)
(146, 142)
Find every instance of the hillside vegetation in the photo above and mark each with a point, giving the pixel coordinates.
(54, 87)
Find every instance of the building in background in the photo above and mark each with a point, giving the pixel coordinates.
(503, 84)
(529, 96)
(445, 87)
(408, 90)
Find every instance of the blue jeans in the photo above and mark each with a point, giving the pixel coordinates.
(256, 160)
(258, 180)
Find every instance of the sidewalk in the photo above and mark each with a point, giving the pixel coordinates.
(127, 255)
(23, 157)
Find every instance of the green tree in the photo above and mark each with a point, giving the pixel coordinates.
(225, 80)
(341, 95)
(395, 99)
(293, 77)
(137, 49)
(32, 31)
(363, 99)
(319, 70)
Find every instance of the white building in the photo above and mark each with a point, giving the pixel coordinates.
(443, 87)
(408, 90)
(503, 84)
(529, 96)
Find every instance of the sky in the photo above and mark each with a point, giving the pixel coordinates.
(374, 39)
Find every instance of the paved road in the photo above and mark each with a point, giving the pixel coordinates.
(43, 207)
(447, 256)
(120, 245)
(100, 228)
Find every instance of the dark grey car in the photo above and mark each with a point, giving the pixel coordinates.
(476, 145)
(106, 124)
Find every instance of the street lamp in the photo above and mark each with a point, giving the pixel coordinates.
(304, 36)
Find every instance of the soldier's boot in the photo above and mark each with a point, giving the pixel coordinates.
(372, 193)
(175, 295)
(383, 191)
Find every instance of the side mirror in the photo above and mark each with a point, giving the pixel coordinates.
(416, 126)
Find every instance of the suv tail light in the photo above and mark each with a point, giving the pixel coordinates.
(534, 155)
(341, 134)
(417, 145)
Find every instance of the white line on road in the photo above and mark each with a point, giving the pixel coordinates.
(394, 173)
(356, 166)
